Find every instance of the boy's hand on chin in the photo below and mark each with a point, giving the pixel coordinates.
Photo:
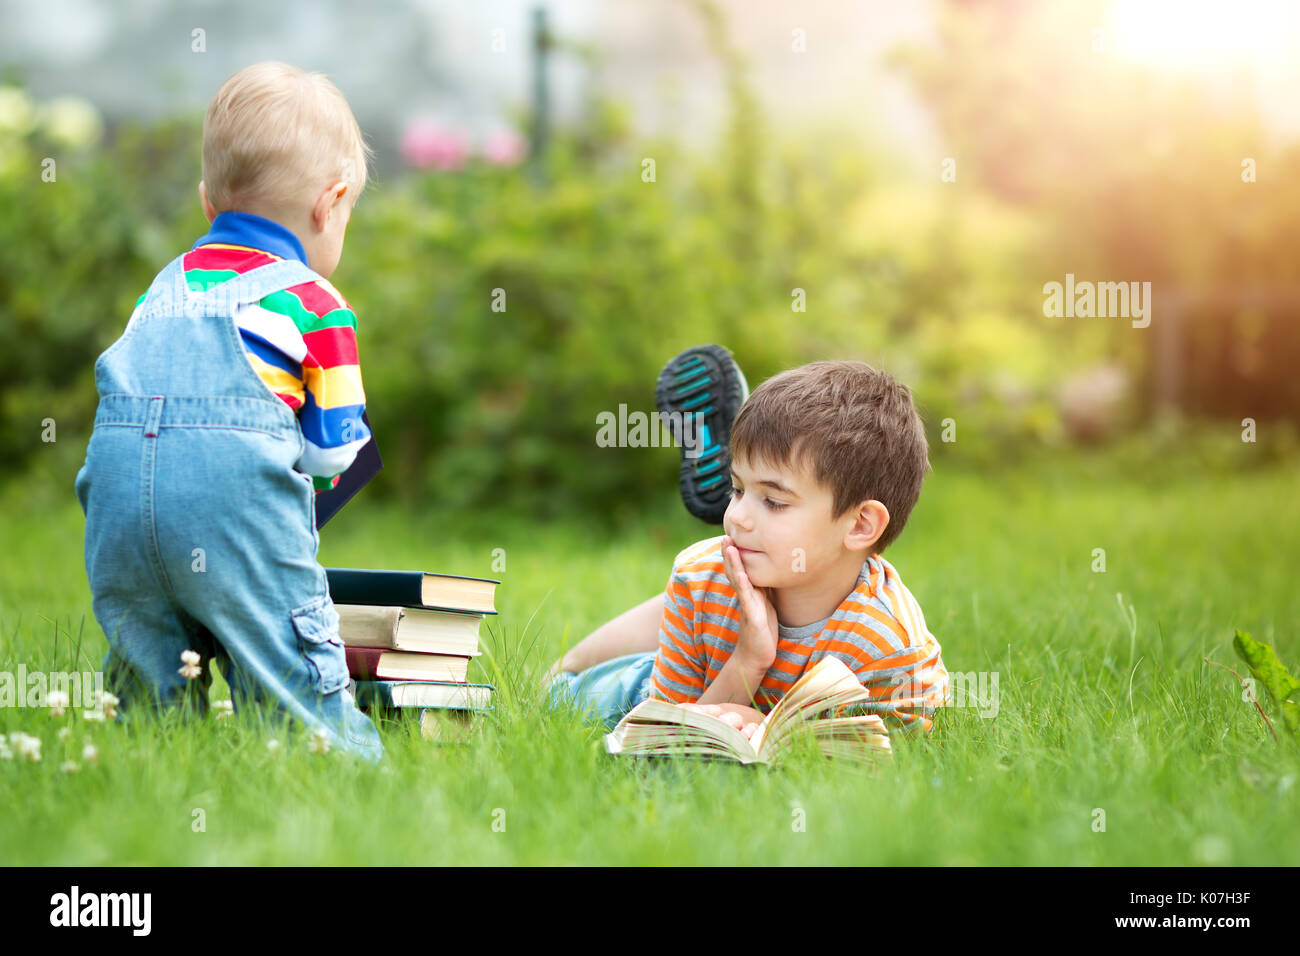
(745, 719)
(757, 641)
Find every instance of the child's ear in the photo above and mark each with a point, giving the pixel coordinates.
(208, 209)
(329, 197)
(870, 522)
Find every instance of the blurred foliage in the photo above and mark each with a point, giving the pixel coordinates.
(83, 232)
(1062, 167)
(1137, 177)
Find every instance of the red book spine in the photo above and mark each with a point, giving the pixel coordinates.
(363, 662)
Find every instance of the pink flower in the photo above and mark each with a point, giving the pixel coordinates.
(426, 145)
(504, 147)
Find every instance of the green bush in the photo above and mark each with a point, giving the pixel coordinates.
(602, 275)
(84, 231)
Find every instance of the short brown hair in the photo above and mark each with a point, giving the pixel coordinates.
(857, 426)
(273, 130)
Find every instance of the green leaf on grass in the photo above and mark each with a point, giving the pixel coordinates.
(1269, 671)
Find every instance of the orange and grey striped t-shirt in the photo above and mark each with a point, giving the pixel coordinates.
(877, 630)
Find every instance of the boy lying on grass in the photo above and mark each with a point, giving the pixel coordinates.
(826, 462)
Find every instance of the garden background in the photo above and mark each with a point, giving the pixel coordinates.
(1116, 142)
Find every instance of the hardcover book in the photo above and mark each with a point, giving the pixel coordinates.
(397, 694)
(375, 663)
(409, 629)
(449, 726)
(416, 589)
(365, 466)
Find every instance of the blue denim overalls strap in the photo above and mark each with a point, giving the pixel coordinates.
(171, 307)
(200, 534)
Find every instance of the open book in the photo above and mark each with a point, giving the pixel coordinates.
(658, 728)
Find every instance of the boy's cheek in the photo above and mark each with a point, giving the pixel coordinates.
(764, 577)
(774, 567)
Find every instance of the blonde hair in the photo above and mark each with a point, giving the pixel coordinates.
(273, 131)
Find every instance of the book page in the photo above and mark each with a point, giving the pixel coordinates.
(828, 684)
(658, 720)
(864, 738)
(365, 625)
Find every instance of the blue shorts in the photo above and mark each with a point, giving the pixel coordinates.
(610, 689)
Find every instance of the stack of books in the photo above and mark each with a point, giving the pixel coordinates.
(409, 637)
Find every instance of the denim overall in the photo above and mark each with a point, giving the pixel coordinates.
(200, 534)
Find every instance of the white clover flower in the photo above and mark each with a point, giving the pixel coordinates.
(224, 708)
(319, 742)
(105, 707)
(89, 753)
(69, 766)
(273, 745)
(63, 732)
(28, 747)
(57, 701)
(5, 752)
(191, 668)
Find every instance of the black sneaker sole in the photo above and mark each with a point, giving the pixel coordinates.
(703, 381)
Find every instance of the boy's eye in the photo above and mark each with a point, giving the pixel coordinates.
(772, 505)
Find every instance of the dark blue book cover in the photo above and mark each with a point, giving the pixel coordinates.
(365, 466)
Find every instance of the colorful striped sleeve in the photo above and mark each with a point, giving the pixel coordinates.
(332, 397)
(302, 343)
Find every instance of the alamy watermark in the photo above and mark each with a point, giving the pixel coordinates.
(74, 689)
(639, 429)
(1127, 300)
(210, 299)
(977, 689)
(129, 910)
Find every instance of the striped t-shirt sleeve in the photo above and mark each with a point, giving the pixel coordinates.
(680, 664)
(302, 344)
(321, 379)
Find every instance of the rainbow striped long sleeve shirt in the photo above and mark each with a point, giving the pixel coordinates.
(878, 630)
(301, 341)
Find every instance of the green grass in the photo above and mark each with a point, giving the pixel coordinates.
(1091, 714)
